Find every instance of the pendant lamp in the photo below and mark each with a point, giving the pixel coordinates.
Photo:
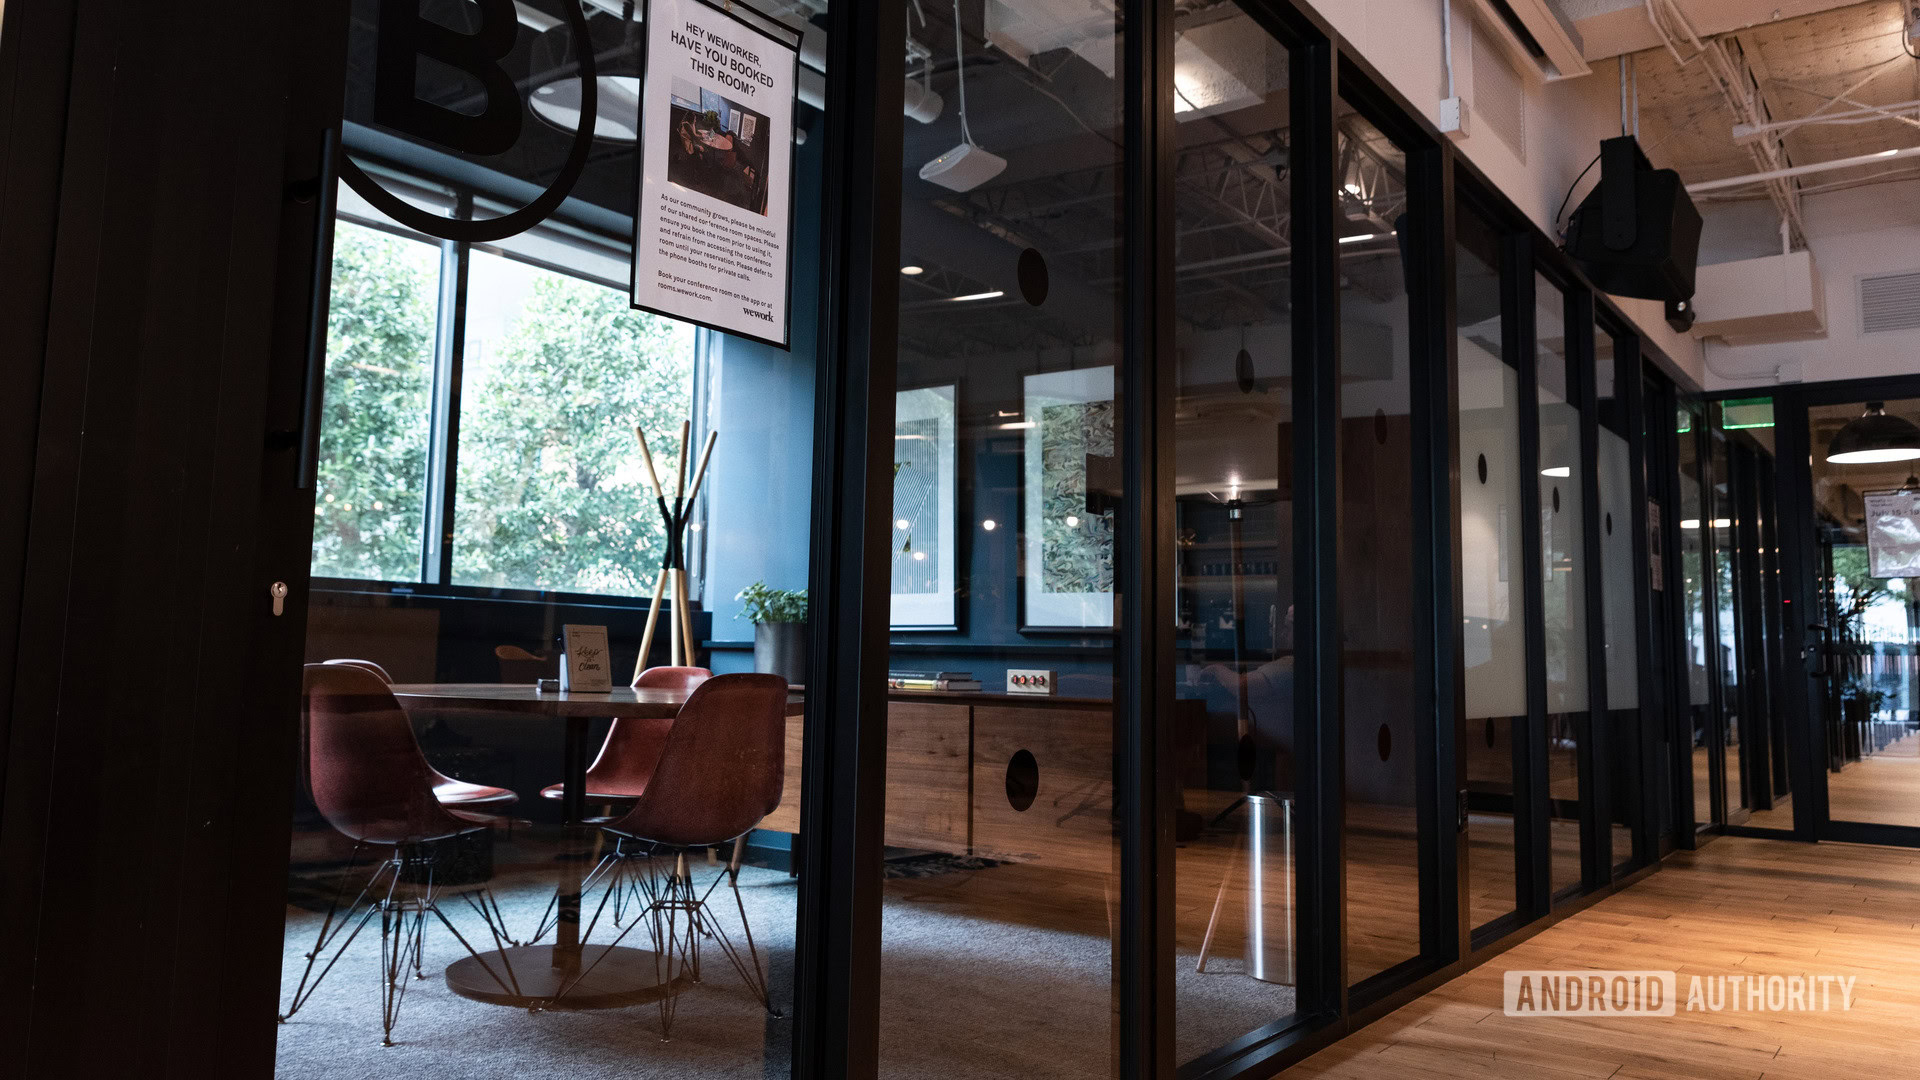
(1873, 437)
(555, 69)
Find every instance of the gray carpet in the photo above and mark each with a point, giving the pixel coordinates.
(962, 997)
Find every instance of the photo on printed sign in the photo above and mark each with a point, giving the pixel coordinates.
(717, 148)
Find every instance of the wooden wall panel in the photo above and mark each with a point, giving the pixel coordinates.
(1070, 821)
(929, 778)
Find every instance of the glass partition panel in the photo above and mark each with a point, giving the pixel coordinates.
(1492, 589)
(1000, 889)
(1694, 607)
(1620, 587)
(1233, 564)
(1377, 556)
(476, 878)
(1865, 495)
(1724, 527)
(1563, 476)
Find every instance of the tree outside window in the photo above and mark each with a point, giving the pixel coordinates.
(372, 479)
(552, 493)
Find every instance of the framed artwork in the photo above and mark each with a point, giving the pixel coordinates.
(925, 508)
(1070, 482)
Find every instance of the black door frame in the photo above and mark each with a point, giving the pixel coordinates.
(1799, 646)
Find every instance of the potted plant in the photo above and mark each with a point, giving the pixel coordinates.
(779, 618)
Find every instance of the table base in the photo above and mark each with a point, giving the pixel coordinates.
(533, 974)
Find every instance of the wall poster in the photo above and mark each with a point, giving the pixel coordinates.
(713, 226)
(925, 504)
(1893, 533)
(1070, 483)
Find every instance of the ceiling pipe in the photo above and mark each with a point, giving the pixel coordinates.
(1803, 170)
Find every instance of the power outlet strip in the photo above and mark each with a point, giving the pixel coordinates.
(1029, 681)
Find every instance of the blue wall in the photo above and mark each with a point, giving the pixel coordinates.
(759, 488)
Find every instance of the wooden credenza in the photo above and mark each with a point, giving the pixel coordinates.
(1001, 777)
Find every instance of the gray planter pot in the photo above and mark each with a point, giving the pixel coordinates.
(781, 649)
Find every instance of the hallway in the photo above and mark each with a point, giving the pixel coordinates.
(1738, 906)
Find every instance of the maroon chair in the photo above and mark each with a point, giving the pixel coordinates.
(632, 748)
(720, 773)
(450, 792)
(372, 783)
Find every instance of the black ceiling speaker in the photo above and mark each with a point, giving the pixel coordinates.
(1636, 233)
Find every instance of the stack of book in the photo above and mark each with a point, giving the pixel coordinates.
(950, 681)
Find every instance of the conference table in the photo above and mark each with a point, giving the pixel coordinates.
(532, 976)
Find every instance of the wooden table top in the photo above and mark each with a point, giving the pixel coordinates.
(622, 701)
(625, 701)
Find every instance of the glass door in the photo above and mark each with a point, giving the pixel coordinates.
(1865, 502)
(552, 724)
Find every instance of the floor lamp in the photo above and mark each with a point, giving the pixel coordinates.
(673, 565)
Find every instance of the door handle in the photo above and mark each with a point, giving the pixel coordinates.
(1822, 650)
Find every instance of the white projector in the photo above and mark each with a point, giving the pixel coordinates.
(963, 168)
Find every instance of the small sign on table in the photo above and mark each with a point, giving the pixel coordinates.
(586, 665)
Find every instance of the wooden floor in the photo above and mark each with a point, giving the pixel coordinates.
(1883, 788)
(1739, 906)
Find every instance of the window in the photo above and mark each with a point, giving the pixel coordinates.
(369, 517)
(514, 440)
(552, 491)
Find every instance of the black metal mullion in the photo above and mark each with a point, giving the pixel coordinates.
(1631, 382)
(1321, 912)
(1439, 660)
(1450, 760)
(443, 440)
(1793, 476)
(837, 974)
(1143, 698)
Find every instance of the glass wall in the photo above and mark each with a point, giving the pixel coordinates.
(1377, 554)
(1863, 504)
(1492, 587)
(1724, 528)
(1562, 479)
(1000, 892)
(1620, 589)
(1695, 602)
(494, 867)
(1238, 819)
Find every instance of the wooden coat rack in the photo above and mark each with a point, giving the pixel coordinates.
(673, 565)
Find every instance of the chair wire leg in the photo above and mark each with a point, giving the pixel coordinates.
(309, 982)
(392, 961)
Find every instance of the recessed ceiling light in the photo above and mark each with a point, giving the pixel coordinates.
(913, 271)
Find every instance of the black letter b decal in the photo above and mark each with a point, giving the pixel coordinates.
(404, 36)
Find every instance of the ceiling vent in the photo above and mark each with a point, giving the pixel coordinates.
(1499, 99)
(1537, 36)
(1890, 302)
